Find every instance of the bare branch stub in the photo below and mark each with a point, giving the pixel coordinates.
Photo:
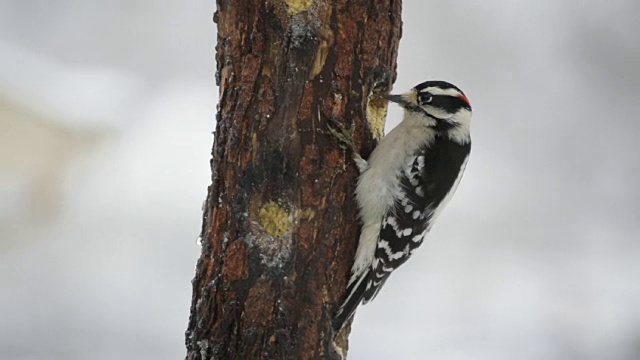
(280, 223)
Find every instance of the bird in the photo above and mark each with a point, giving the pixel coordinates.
(405, 183)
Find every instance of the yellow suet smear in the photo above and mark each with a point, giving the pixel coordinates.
(296, 6)
(376, 115)
(274, 219)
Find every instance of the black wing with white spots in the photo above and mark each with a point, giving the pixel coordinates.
(428, 178)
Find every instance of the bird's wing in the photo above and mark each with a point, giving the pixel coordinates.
(427, 182)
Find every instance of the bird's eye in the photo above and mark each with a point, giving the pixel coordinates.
(425, 98)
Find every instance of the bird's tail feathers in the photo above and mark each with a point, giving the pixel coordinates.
(355, 292)
(377, 280)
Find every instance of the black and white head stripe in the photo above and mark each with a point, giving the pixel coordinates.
(437, 84)
(443, 95)
(438, 100)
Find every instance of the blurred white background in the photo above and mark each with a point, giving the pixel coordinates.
(106, 113)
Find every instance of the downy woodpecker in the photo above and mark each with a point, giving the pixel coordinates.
(404, 185)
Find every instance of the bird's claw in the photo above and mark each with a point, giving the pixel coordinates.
(343, 134)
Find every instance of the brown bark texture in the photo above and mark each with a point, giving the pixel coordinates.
(280, 224)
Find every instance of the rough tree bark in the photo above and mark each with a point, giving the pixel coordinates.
(280, 223)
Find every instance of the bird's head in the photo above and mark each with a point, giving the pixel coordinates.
(436, 103)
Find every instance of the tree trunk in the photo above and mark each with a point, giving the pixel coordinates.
(280, 223)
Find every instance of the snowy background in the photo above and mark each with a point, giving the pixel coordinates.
(106, 113)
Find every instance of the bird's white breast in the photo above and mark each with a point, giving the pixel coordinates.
(378, 187)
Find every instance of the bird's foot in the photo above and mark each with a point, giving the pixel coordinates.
(345, 138)
(343, 134)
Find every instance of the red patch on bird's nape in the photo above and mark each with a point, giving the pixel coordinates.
(465, 99)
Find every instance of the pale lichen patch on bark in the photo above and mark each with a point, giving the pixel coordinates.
(274, 251)
(204, 347)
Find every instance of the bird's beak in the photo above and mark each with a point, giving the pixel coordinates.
(399, 99)
(402, 99)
